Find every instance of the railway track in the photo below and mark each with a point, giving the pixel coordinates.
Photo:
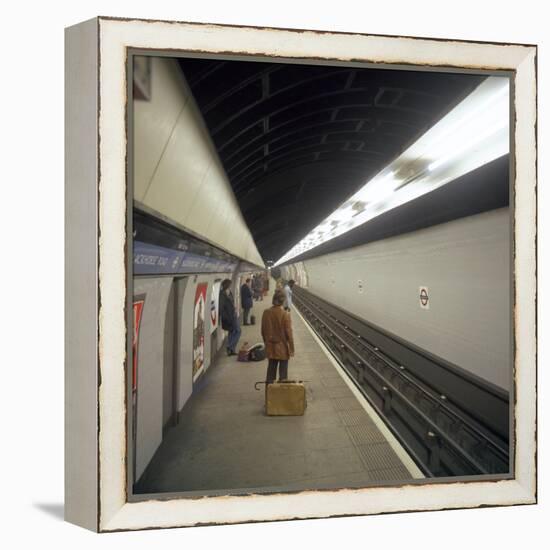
(450, 424)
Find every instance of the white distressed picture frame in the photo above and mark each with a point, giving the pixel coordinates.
(96, 258)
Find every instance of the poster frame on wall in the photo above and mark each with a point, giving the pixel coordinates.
(138, 306)
(199, 317)
(238, 295)
(215, 305)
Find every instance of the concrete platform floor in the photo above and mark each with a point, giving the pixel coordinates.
(224, 441)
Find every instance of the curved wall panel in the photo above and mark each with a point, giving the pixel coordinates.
(150, 367)
(465, 266)
(177, 172)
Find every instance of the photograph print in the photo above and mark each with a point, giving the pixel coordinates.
(322, 256)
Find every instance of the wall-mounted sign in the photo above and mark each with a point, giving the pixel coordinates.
(424, 297)
(151, 259)
(238, 297)
(162, 250)
(138, 308)
(138, 311)
(360, 286)
(198, 329)
(214, 306)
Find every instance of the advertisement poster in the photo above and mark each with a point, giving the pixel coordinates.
(238, 297)
(138, 310)
(198, 329)
(214, 306)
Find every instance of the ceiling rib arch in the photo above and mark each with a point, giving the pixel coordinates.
(297, 140)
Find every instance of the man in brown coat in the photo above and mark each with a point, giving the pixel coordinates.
(278, 339)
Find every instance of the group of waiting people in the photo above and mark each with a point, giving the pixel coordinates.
(260, 286)
(276, 325)
(252, 289)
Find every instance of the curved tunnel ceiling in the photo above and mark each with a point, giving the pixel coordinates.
(297, 140)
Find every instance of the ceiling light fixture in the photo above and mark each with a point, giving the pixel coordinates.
(472, 134)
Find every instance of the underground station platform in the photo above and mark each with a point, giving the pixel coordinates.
(225, 442)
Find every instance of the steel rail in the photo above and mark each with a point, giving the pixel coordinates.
(441, 437)
(440, 401)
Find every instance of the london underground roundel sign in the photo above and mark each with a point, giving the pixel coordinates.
(424, 297)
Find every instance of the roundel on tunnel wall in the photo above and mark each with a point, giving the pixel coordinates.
(424, 297)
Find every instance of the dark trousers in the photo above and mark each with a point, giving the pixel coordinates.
(246, 312)
(272, 365)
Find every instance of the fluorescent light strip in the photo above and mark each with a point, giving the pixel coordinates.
(454, 146)
(468, 146)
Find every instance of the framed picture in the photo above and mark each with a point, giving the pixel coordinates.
(385, 186)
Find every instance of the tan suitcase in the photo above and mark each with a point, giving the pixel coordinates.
(285, 399)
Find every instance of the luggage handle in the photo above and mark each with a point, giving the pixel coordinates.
(280, 382)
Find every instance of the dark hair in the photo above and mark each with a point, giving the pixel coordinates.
(248, 280)
(278, 298)
(226, 283)
(291, 283)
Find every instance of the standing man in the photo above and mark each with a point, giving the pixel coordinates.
(246, 300)
(228, 316)
(278, 338)
(288, 294)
